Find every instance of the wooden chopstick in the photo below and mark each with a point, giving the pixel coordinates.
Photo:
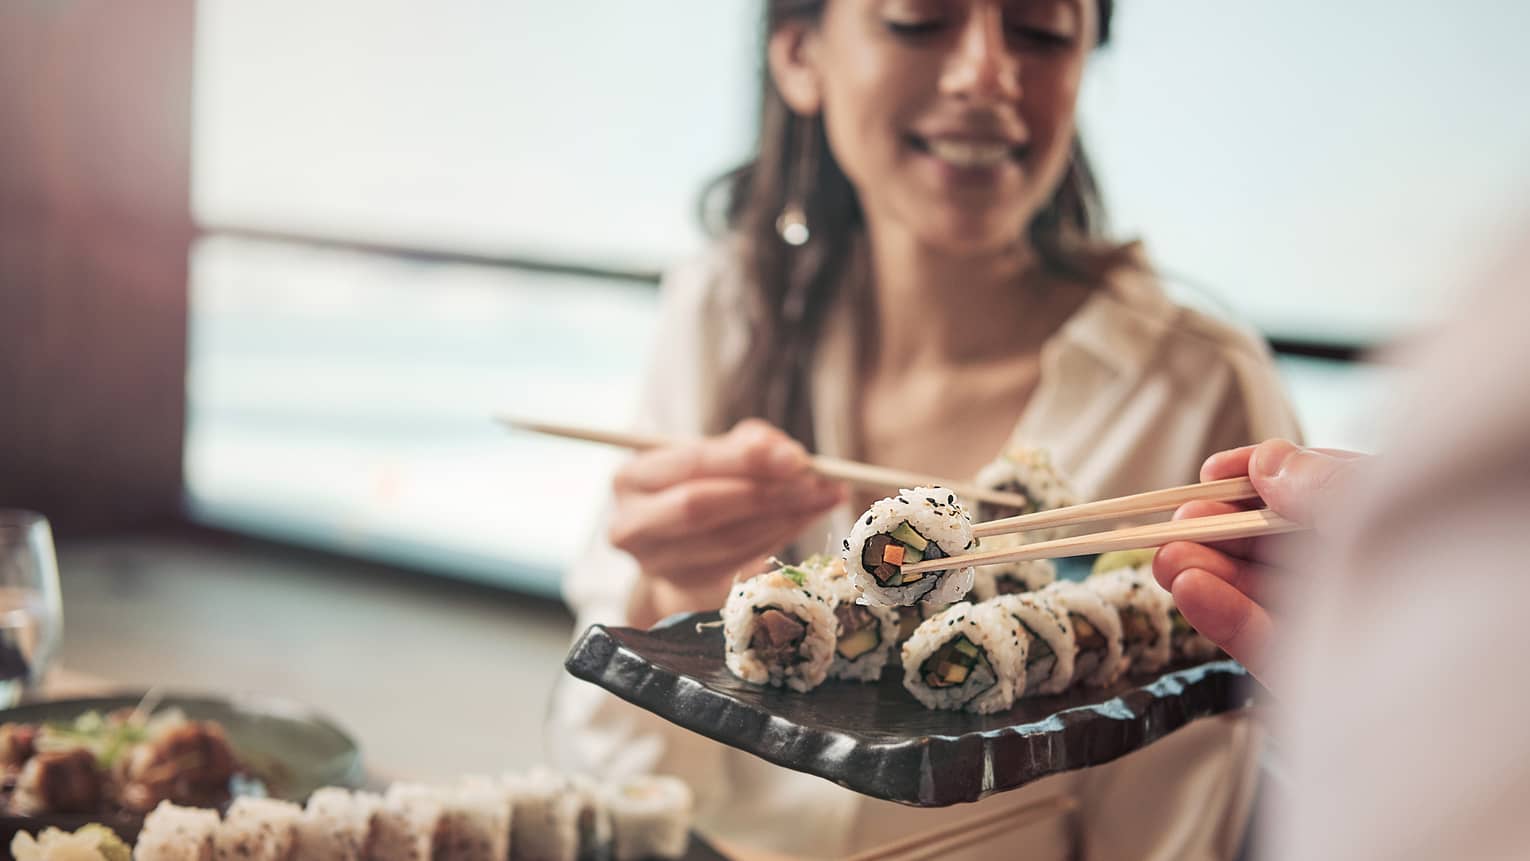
(861, 474)
(1153, 501)
(1218, 527)
(941, 841)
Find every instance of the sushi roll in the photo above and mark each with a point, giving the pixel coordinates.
(1028, 472)
(778, 630)
(1144, 609)
(545, 825)
(1096, 632)
(475, 824)
(969, 656)
(335, 825)
(408, 824)
(650, 818)
(1051, 648)
(174, 833)
(593, 820)
(917, 525)
(1011, 578)
(864, 635)
(257, 829)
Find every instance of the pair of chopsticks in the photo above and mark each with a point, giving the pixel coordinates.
(1220, 527)
(1217, 527)
(977, 829)
(859, 474)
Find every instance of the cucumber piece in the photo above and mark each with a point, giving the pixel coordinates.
(905, 534)
(912, 555)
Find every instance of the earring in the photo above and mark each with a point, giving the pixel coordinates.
(792, 223)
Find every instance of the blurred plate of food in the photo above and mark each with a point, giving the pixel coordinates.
(111, 759)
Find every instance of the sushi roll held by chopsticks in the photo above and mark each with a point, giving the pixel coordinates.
(917, 525)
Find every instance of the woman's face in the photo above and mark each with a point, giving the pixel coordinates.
(952, 118)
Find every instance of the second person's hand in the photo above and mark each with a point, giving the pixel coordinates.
(1224, 589)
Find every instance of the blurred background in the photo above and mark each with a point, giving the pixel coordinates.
(266, 269)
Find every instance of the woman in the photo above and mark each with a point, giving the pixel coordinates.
(912, 274)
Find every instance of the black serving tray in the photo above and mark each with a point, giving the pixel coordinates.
(875, 738)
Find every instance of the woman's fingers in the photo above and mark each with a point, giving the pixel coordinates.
(723, 551)
(753, 449)
(1225, 615)
(694, 507)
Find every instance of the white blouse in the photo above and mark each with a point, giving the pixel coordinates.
(1135, 391)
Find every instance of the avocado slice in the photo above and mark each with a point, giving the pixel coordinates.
(905, 534)
(859, 643)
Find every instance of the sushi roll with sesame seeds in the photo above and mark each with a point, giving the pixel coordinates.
(968, 657)
(864, 635)
(1144, 607)
(1051, 646)
(1027, 472)
(778, 629)
(1096, 631)
(1011, 578)
(918, 525)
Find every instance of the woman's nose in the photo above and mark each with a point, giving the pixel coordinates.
(982, 68)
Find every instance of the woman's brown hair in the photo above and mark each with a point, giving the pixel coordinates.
(790, 289)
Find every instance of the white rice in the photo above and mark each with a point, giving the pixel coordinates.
(475, 825)
(835, 585)
(986, 627)
(257, 829)
(407, 825)
(1029, 472)
(1143, 606)
(650, 818)
(937, 515)
(174, 833)
(336, 824)
(1041, 617)
(1093, 667)
(803, 600)
(545, 826)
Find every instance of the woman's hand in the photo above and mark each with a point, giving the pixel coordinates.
(694, 514)
(1224, 589)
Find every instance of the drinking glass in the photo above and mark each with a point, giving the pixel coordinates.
(31, 613)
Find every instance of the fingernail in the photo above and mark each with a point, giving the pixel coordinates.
(1275, 468)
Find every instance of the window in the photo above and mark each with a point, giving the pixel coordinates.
(419, 214)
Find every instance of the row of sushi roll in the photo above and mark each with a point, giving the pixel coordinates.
(966, 638)
(798, 625)
(983, 656)
(536, 816)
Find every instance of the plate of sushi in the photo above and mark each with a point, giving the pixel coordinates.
(540, 815)
(112, 759)
(900, 679)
